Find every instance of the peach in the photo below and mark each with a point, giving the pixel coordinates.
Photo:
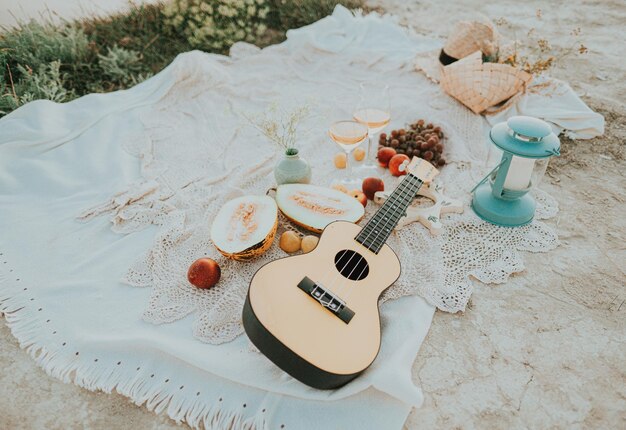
(371, 185)
(395, 164)
(204, 273)
(357, 194)
(384, 155)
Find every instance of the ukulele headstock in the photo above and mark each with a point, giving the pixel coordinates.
(422, 169)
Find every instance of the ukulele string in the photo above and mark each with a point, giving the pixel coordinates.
(410, 199)
(331, 276)
(391, 221)
(404, 194)
(403, 191)
(401, 194)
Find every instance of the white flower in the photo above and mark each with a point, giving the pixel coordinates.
(169, 9)
(223, 10)
(178, 20)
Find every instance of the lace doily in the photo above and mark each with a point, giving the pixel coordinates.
(198, 153)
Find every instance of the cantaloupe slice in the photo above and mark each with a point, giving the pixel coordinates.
(245, 227)
(314, 207)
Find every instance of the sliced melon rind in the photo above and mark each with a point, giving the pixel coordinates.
(245, 227)
(313, 207)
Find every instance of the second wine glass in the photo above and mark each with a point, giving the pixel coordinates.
(374, 111)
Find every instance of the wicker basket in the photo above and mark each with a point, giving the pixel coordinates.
(479, 85)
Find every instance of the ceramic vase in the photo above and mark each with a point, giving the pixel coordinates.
(292, 169)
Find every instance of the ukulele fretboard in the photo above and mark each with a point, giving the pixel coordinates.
(378, 229)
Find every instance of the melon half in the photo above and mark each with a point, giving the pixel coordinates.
(314, 207)
(245, 227)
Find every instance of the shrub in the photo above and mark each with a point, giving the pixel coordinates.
(47, 82)
(216, 25)
(35, 60)
(121, 66)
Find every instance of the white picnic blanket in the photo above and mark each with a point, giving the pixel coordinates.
(60, 280)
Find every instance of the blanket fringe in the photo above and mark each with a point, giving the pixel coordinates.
(197, 412)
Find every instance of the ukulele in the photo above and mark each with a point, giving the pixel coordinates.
(316, 315)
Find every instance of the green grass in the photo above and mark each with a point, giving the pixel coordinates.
(60, 63)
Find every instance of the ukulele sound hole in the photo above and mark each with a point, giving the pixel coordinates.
(351, 265)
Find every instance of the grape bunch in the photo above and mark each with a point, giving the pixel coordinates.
(422, 140)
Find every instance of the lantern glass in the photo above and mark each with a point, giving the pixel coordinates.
(541, 164)
(518, 176)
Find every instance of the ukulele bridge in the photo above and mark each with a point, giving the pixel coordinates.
(326, 299)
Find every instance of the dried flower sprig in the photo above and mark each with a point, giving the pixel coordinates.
(534, 54)
(280, 126)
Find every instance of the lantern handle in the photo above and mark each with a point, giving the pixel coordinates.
(483, 180)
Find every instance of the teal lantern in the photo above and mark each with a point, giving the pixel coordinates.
(502, 197)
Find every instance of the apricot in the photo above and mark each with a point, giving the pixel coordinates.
(359, 154)
(289, 242)
(309, 243)
(340, 160)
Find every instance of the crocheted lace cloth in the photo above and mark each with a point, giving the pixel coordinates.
(198, 152)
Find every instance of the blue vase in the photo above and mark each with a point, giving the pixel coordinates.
(292, 169)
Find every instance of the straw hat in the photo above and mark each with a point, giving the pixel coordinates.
(465, 38)
(468, 37)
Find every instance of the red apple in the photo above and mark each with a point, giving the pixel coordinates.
(395, 163)
(359, 196)
(371, 185)
(204, 273)
(384, 155)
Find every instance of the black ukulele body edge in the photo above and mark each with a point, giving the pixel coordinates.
(285, 358)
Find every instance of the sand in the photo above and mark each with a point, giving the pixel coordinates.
(546, 349)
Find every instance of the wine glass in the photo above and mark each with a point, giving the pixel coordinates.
(374, 111)
(348, 135)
